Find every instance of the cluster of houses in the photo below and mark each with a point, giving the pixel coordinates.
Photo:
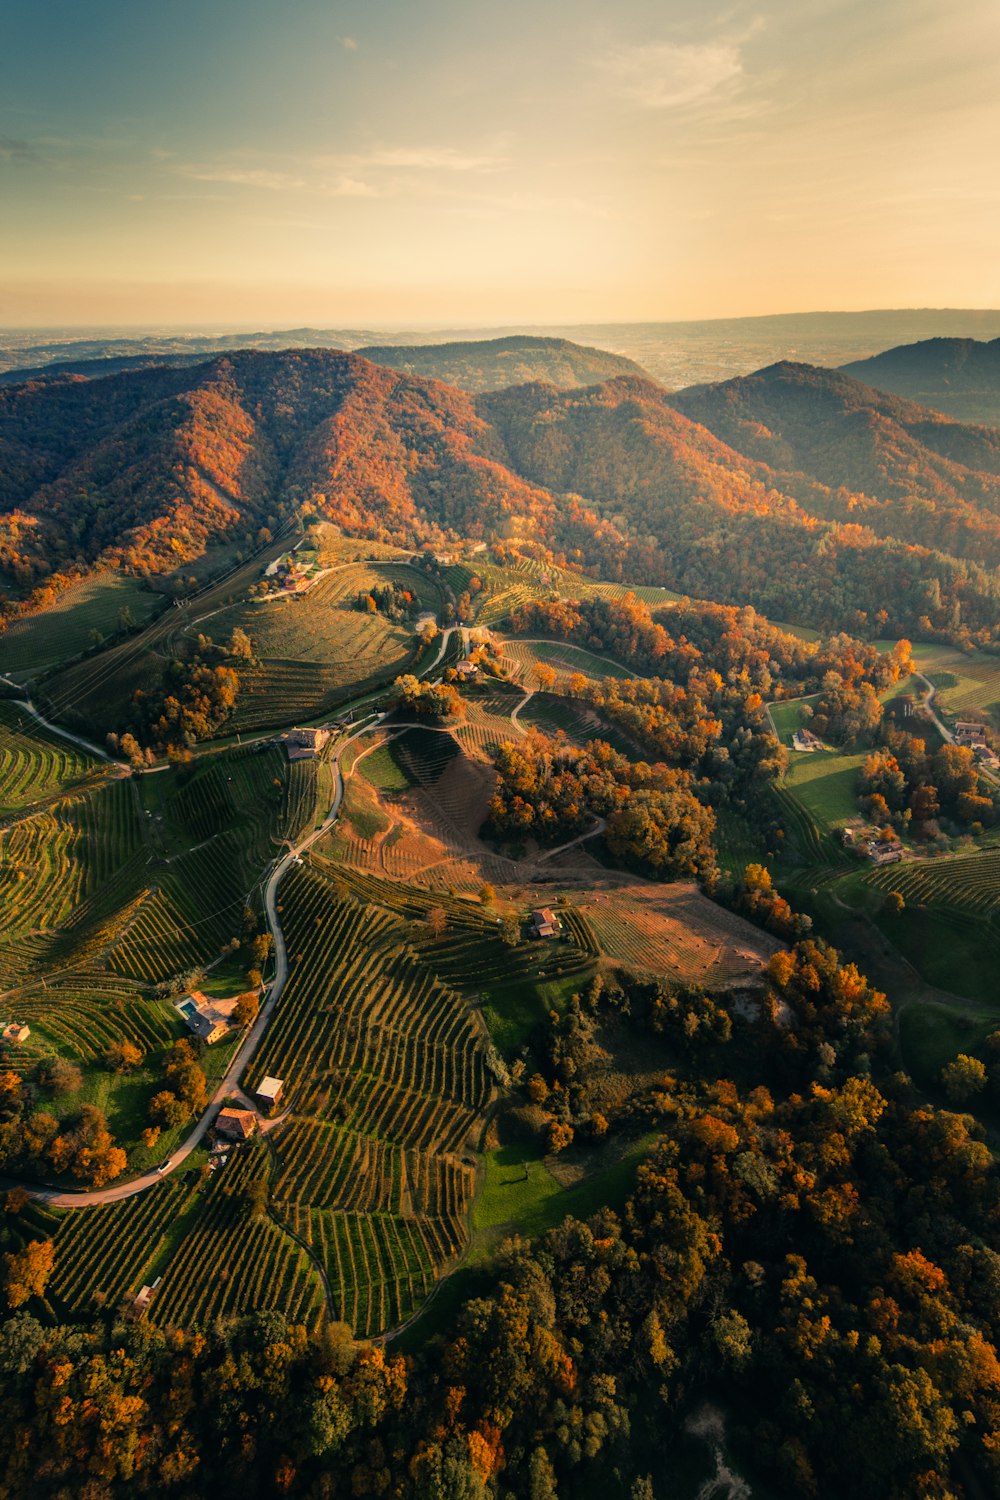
(238, 1125)
(874, 846)
(973, 736)
(288, 575)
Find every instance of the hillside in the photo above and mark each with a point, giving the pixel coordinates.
(960, 377)
(150, 470)
(489, 364)
(924, 478)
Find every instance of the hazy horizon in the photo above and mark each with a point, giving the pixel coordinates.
(447, 165)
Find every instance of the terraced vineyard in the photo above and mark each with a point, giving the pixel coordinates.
(386, 1076)
(968, 883)
(215, 1251)
(115, 884)
(314, 649)
(35, 763)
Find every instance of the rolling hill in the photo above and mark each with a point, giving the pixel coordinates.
(798, 489)
(899, 468)
(489, 364)
(960, 377)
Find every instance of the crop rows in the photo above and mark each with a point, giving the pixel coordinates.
(385, 1072)
(378, 1266)
(970, 882)
(230, 1261)
(105, 1252)
(34, 762)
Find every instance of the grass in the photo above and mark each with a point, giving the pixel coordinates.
(933, 1035)
(383, 769)
(521, 1196)
(513, 1011)
(65, 629)
(825, 783)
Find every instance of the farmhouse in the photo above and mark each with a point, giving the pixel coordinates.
(15, 1032)
(303, 744)
(805, 740)
(544, 923)
(236, 1124)
(467, 670)
(888, 853)
(973, 735)
(202, 1018)
(269, 1092)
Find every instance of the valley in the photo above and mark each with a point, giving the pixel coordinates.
(440, 846)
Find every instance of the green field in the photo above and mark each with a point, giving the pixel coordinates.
(966, 681)
(70, 625)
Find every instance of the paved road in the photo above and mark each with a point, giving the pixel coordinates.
(60, 1198)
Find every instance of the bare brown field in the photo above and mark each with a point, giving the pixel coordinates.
(674, 929)
(428, 835)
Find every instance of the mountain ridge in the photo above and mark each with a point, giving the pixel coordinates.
(148, 469)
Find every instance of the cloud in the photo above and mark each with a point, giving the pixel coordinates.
(668, 75)
(350, 187)
(348, 43)
(425, 159)
(339, 186)
(259, 177)
(13, 149)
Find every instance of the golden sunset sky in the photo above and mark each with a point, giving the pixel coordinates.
(404, 162)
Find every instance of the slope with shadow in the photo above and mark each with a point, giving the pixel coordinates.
(146, 470)
(901, 469)
(959, 377)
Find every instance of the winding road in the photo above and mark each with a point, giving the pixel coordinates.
(228, 1084)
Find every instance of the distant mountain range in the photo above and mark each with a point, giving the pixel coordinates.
(677, 354)
(472, 365)
(960, 377)
(799, 489)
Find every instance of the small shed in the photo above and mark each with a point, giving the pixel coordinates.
(268, 1094)
(14, 1032)
(236, 1124)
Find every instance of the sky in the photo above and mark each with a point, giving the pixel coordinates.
(408, 163)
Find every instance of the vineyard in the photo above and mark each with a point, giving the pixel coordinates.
(967, 883)
(36, 764)
(966, 682)
(674, 930)
(314, 649)
(115, 884)
(562, 657)
(65, 627)
(215, 1250)
(386, 1077)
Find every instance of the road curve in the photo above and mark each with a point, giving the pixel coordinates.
(92, 1198)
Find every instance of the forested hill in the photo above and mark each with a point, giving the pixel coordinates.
(470, 364)
(148, 469)
(490, 364)
(926, 478)
(960, 377)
